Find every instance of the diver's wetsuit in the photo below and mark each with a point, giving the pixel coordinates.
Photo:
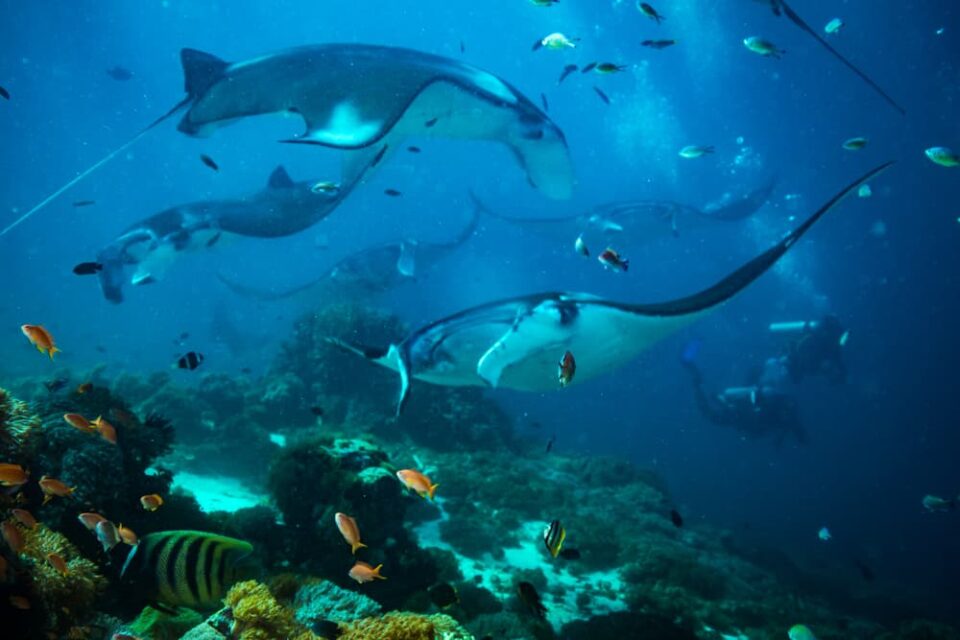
(818, 352)
(765, 410)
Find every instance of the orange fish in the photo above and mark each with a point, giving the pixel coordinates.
(106, 430)
(40, 338)
(418, 482)
(128, 536)
(12, 535)
(151, 502)
(90, 520)
(77, 421)
(19, 602)
(349, 531)
(362, 572)
(84, 388)
(24, 517)
(566, 369)
(57, 562)
(52, 487)
(13, 475)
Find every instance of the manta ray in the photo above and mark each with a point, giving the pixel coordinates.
(636, 221)
(282, 208)
(365, 99)
(516, 343)
(372, 271)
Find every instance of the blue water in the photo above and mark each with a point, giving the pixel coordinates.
(885, 265)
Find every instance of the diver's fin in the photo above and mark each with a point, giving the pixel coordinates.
(280, 179)
(529, 333)
(797, 20)
(201, 71)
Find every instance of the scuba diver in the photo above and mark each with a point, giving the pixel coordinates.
(818, 350)
(763, 408)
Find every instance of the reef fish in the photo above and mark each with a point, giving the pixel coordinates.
(553, 537)
(53, 488)
(107, 534)
(418, 482)
(350, 531)
(658, 44)
(943, 156)
(209, 162)
(106, 430)
(649, 11)
(936, 503)
(800, 632)
(13, 475)
(24, 517)
(12, 535)
(185, 568)
(512, 343)
(90, 520)
(443, 595)
(151, 502)
(190, 360)
(79, 422)
(695, 151)
(363, 572)
(566, 369)
(58, 563)
(763, 47)
(855, 144)
(612, 260)
(127, 536)
(40, 338)
(529, 596)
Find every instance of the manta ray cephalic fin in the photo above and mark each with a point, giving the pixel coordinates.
(533, 331)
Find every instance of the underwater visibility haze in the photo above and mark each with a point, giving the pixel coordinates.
(499, 320)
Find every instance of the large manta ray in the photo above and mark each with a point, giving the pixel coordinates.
(636, 221)
(364, 99)
(516, 343)
(369, 272)
(283, 208)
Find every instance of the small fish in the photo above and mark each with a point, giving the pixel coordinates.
(207, 160)
(13, 536)
(590, 67)
(555, 42)
(56, 384)
(214, 240)
(393, 193)
(649, 11)
(24, 517)
(90, 520)
(550, 442)
(106, 430)
(529, 596)
(935, 504)
(676, 518)
(84, 203)
(107, 534)
(610, 259)
(443, 595)
(87, 268)
(553, 537)
(855, 144)
(350, 531)
(317, 411)
(865, 191)
(151, 502)
(567, 70)
(120, 74)
(607, 68)
(53, 488)
(363, 572)
(800, 632)
(833, 27)
(824, 534)
(4, 94)
(429, 123)
(58, 563)
(694, 151)
(581, 247)
(418, 482)
(543, 101)
(190, 360)
(763, 47)
(569, 553)
(84, 387)
(566, 369)
(40, 338)
(127, 536)
(943, 156)
(77, 421)
(413, 149)
(325, 187)
(658, 44)
(603, 96)
(13, 475)
(544, 3)
(19, 602)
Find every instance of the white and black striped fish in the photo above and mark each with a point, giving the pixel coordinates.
(185, 568)
(553, 537)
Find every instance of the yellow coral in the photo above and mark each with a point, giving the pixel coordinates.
(65, 597)
(258, 616)
(405, 626)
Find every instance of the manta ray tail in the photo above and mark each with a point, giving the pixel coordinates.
(739, 279)
(800, 22)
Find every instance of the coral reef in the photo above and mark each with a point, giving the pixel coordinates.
(19, 428)
(405, 626)
(158, 625)
(258, 616)
(324, 600)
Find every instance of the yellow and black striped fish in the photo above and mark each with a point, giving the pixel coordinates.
(553, 537)
(185, 568)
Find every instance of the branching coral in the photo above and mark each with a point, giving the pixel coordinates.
(405, 626)
(258, 616)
